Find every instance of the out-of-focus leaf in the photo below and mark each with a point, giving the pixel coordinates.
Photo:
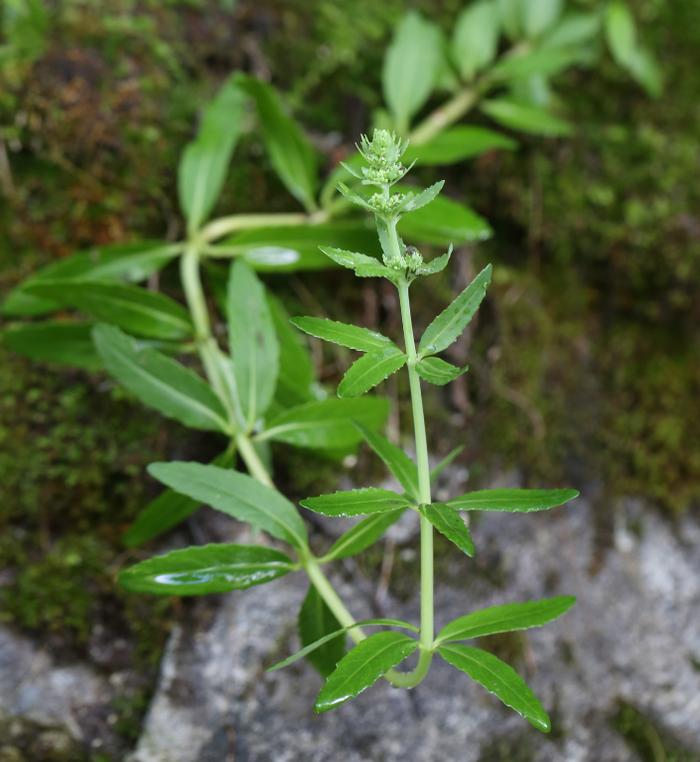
(511, 14)
(411, 66)
(370, 370)
(574, 29)
(620, 31)
(443, 223)
(237, 495)
(541, 62)
(540, 15)
(204, 569)
(132, 308)
(475, 37)
(530, 119)
(159, 381)
(498, 678)
(356, 502)
(290, 152)
(513, 500)
(456, 144)
(450, 524)
(363, 535)
(316, 621)
(205, 161)
(53, 341)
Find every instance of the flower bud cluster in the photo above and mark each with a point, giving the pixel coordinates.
(383, 155)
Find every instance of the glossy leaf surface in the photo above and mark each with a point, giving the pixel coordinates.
(498, 678)
(356, 502)
(363, 666)
(450, 524)
(506, 618)
(513, 500)
(450, 323)
(159, 381)
(345, 334)
(370, 370)
(235, 494)
(204, 569)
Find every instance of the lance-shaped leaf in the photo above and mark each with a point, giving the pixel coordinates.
(438, 372)
(53, 341)
(290, 152)
(356, 502)
(159, 381)
(445, 222)
(530, 119)
(295, 381)
(132, 262)
(363, 535)
(237, 495)
(311, 647)
(574, 29)
(542, 62)
(507, 618)
(450, 524)
(436, 265)
(316, 621)
(345, 334)
(444, 463)
(166, 511)
(419, 200)
(411, 67)
(450, 323)
(396, 460)
(134, 309)
(513, 500)
(498, 678)
(327, 424)
(253, 341)
(371, 369)
(205, 161)
(206, 569)
(364, 266)
(457, 144)
(475, 37)
(540, 15)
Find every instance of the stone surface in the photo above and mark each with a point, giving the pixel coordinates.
(634, 636)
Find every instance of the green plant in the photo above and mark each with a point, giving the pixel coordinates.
(324, 619)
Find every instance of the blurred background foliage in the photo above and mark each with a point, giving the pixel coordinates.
(586, 364)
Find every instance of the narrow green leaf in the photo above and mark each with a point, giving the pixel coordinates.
(540, 15)
(311, 647)
(445, 222)
(498, 678)
(291, 248)
(644, 68)
(396, 460)
(253, 341)
(356, 502)
(457, 144)
(159, 381)
(411, 67)
(450, 524)
(363, 535)
(475, 37)
(541, 62)
(445, 462)
(530, 119)
(511, 14)
(316, 621)
(438, 372)
(237, 495)
(295, 381)
(204, 569)
(291, 154)
(436, 265)
(364, 266)
(132, 262)
(371, 369)
(53, 341)
(574, 29)
(419, 200)
(450, 323)
(134, 309)
(513, 500)
(327, 423)
(506, 618)
(205, 161)
(621, 32)
(351, 336)
(363, 666)
(166, 511)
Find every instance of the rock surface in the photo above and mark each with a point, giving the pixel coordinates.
(634, 636)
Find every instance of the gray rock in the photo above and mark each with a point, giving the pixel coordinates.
(633, 636)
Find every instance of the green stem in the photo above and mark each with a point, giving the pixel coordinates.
(444, 116)
(252, 460)
(237, 222)
(325, 589)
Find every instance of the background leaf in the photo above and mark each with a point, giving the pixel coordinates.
(513, 500)
(57, 342)
(530, 119)
(363, 666)
(396, 460)
(363, 535)
(205, 569)
(457, 144)
(236, 494)
(498, 678)
(475, 37)
(316, 620)
(540, 15)
(444, 222)
(370, 370)
(159, 382)
(205, 161)
(356, 502)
